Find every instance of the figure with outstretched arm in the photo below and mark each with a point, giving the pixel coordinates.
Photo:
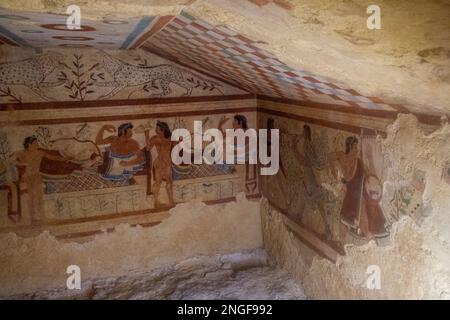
(30, 158)
(239, 122)
(99, 140)
(124, 155)
(163, 163)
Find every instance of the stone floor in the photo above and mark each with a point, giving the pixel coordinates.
(255, 283)
(245, 275)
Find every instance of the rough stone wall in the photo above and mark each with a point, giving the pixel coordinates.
(244, 275)
(328, 38)
(331, 38)
(39, 263)
(416, 262)
(35, 255)
(410, 51)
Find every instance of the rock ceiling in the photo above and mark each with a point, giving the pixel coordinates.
(318, 51)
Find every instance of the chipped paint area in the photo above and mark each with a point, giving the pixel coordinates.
(415, 263)
(191, 229)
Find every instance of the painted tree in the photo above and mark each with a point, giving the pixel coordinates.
(79, 80)
(5, 149)
(8, 93)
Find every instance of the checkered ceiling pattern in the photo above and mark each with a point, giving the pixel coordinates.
(222, 52)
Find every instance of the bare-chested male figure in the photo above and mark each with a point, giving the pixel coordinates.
(31, 158)
(125, 156)
(163, 163)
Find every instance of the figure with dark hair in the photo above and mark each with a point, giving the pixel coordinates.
(353, 178)
(123, 155)
(358, 212)
(162, 165)
(239, 122)
(30, 159)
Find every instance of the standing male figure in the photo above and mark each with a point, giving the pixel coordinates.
(163, 163)
(31, 158)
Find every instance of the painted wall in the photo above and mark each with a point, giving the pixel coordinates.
(82, 159)
(82, 177)
(353, 190)
(332, 213)
(88, 74)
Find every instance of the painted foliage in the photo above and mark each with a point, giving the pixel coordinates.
(61, 75)
(90, 170)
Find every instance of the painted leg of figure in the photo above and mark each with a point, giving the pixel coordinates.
(14, 202)
(156, 188)
(40, 206)
(169, 189)
(35, 194)
(36, 204)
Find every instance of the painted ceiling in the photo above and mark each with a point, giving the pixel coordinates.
(232, 56)
(40, 30)
(215, 50)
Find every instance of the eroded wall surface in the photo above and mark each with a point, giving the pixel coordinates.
(243, 275)
(82, 160)
(354, 190)
(39, 263)
(331, 38)
(410, 195)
